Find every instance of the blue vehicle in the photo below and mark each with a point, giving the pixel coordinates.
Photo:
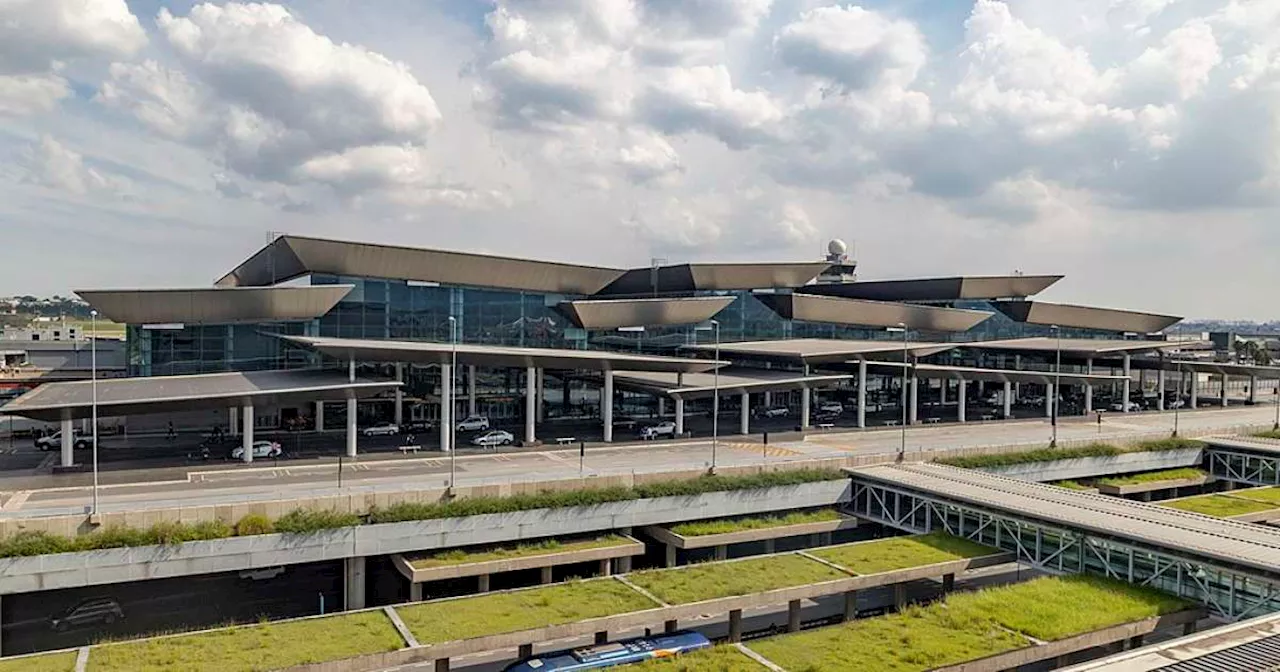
(613, 653)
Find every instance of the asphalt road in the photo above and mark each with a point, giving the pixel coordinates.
(28, 495)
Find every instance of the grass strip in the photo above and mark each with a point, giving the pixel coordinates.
(1153, 476)
(1073, 485)
(714, 659)
(1220, 506)
(53, 662)
(1269, 434)
(712, 580)
(254, 648)
(1055, 454)
(886, 555)
(468, 617)
(729, 525)
(1266, 495)
(545, 547)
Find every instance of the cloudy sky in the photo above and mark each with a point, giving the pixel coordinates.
(1133, 145)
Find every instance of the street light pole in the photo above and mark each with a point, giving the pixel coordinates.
(902, 449)
(93, 377)
(715, 402)
(453, 373)
(1275, 393)
(1178, 401)
(1057, 388)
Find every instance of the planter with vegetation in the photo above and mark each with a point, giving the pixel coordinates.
(64, 661)
(887, 555)
(1041, 455)
(1220, 506)
(455, 557)
(714, 580)
(1269, 495)
(703, 528)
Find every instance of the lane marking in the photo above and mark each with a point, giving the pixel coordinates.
(16, 501)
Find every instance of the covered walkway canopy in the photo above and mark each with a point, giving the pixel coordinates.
(731, 381)
(825, 350)
(1079, 347)
(970, 373)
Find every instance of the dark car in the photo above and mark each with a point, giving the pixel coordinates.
(103, 611)
(419, 426)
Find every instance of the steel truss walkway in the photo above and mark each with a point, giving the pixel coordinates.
(1232, 568)
(1245, 461)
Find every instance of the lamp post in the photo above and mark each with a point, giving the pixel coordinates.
(902, 449)
(1057, 387)
(93, 377)
(452, 428)
(1275, 394)
(1178, 401)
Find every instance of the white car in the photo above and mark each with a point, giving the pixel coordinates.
(496, 437)
(832, 408)
(381, 429)
(260, 449)
(473, 423)
(54, 441)
(1175, 403)
(1120, 406)
(776, 412)
(665, 428)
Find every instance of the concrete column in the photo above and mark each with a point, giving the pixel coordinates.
(606, 567)
(1050, 397)
(247, 438)
(542, 395)
(768, 399)
(862, 393)
(745, 422)
(446, 407)
(442, 665)
(233, 421)
(602, 637)
(1195, 389)
(1008, 399)
(1224, 390)
(1088, 388)
(671, 555)
(948, 582)
(942, 392)
(1126, 382)
(606, 406)
(850, 605)
(899, 595)
(545, 576)
(530, 405)
(399, 410)
(793, 616)
(735, 625)
(722, 552)
(1253, 389)
(319, 416)
(471, 389)
(962, 400)
(1142, 382)
(351, 426)
(912, 401)
(806, 399)
(482, 583)
(670, 626)
(1160, 386)
(353, 592)
(415, 592)
(662, 406)
(1017, 387)
(982, 388)
(526, 651)
(68, 442)
(679, 416)
(770, 546)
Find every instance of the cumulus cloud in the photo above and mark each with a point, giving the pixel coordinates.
(852, 47)
(51, 164)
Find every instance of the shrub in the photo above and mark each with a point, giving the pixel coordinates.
(304, 521)
(1168, 444)
(115, 536)
(34, 543)
(1054, 454)
(254, 523)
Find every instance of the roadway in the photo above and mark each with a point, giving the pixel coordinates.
(27, 495)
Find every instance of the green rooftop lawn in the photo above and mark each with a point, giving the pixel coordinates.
(1073, 485)
(1153, 477)
(53, 662)
(886, 555)
(1265, 495)
(727, 525)
(468, 617)
(712, 580)
(1221, 506)
(545, 547)
(714, 659)
(967, 626)
(251, 648)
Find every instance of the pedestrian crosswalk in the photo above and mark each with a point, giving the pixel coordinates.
(760, 449)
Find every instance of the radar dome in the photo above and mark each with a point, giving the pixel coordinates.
(837, 247)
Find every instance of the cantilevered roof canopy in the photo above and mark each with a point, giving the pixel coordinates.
(731, 381)
(1085, 317)
(837, 310)
(165, 394)
(1084, 347)
(417, 352)
(1202, 366)
(938, 371)
(214, 305)
(617, 313)
(713, 277)
(824, 350)
(940, 289)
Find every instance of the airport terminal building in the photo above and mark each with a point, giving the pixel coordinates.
(531, 342)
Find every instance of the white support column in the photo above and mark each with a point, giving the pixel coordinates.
(1088, 387)
(399, 410)
(962, 400)
(1017, 387)
(446, 407)
(530, 404)
(351, 426)
(1142, 382)
(471, 389)
(247, 439)
(942, 392)
(1008, 399)
(1050, 395)
(679, 416)
(1126, 382)
(805, 400)
(68, 442)
(353, 583)
(862, 393)
(662, 406)
(1195, 389)
(1224, 390)
(768, 399)
(233, 421)
(542, 396)
(1253, 389)
(1160, 386)
(606, 406)
(745, 426)
(319, 416)
(912, 402)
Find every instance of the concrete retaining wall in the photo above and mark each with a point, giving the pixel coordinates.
(68, 570)
(1125, 463)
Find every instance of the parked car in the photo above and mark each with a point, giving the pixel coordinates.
(102, 610)
(823, 417)
(419, 426)
(381, 429)
(54, 441)
(260, 449)
(831, 408)
(665, 428)
(1120, 406)
(776, 412)
(1175, 403)
(473, 423)
(493, 438)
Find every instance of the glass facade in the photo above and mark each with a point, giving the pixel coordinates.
(214, 348)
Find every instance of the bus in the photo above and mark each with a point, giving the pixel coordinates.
(613, 653)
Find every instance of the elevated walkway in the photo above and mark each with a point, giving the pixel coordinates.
(1247, 461)
(1228, 566)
